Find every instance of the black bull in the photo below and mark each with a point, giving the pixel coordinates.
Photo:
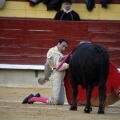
(89, 67)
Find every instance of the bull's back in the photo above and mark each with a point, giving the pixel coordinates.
(83, 55)
(86, 63)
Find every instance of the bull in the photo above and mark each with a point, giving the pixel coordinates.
(89, 67)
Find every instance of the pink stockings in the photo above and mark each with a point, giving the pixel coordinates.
(38, 99)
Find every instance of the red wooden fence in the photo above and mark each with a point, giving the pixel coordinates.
(26, 41)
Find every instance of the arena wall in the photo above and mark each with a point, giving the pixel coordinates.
(26, 33)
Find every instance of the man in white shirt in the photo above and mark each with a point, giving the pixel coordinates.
(54, 57)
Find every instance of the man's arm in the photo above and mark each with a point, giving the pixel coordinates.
(57, 60)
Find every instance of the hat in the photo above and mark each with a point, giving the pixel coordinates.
(41, 81)
(68, 1)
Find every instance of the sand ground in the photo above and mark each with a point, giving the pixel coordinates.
(11, 107)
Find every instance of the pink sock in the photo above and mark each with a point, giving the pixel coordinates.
(38, 99)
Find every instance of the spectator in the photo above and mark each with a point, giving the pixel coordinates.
(67, 13)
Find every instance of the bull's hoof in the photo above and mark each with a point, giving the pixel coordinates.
(87, 110)
(74, 108)
(101, 112)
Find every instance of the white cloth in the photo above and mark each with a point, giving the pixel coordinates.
(67, 11)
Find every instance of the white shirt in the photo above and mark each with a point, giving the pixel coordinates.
(67, 11)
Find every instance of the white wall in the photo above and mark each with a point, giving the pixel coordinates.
(20, 78)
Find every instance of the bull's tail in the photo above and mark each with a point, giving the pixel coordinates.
(104, 70)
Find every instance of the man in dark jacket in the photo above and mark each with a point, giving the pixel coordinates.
(67, 14)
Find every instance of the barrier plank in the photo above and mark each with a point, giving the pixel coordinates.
(26, 41)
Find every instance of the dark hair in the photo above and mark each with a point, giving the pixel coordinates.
(62, 40)
(68, 1)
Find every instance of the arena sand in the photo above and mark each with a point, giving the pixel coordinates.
(11, 107)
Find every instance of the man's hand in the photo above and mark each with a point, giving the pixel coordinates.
(42, 81)
(46, 79)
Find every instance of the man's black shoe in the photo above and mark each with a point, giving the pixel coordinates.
(37, 95)
(25, 101)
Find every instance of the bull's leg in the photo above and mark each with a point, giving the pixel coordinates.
(88, 107)
(102, 98)
(74, 102)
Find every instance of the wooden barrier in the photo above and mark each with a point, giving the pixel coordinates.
(26, 41)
